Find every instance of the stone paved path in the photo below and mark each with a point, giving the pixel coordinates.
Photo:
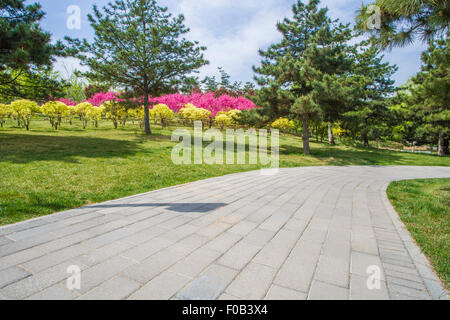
(305, 233)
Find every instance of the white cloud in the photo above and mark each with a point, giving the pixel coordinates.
(233, 31)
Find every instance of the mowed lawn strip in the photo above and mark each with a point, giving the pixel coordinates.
(44, 171)
(424, 207)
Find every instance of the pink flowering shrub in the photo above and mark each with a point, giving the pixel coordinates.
(205, 101)
(98, 98)
(67, 102)
(177, 101)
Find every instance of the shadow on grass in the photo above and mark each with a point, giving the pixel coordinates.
(347, 156)
(18, 148)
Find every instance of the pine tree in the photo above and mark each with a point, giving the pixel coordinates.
(403, 21)
(372, 84)
(26, 53)
(298, 74)
(431, 93)
(22, 41)
(140, 47)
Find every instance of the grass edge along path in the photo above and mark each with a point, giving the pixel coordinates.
(424, 207)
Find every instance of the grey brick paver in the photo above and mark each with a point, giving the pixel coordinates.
(302, 233)
(253, 282)
(239, 255)
(280, 293)
(209, 285)
(162, 287)
(117, 288)
(55, 292)
(325, 291)
(11, 275)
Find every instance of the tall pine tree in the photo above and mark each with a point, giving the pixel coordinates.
(140, 47)
(431, 93)
(372, 84)
(298, 74)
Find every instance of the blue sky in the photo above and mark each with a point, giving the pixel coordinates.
(233, 31)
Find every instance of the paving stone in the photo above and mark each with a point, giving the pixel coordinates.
(406, 283)
(213, 230)
(253, 282)
(101, 272)
(40, 281)
(396, 290)
(228, 297)
(24, 244)
(258, 237)
(325, 291)
(54, 258)
(209, 285)
(364, 244)
(97, 256)
(163, 287)
(19, 257)
(55, 292)
(151, 267)
(296, 225)
(360, 262)
(359, 290)
(243, 228)
(298, 270)
(314, 235)
(277, 250)
(145, 235)
(145, 250)
(117, 288)
(11, 275)
(280, 293)
(239, 255)
(333, 270)
(193, 264)
(224, 242)
(275, 222)
(107, 238)
(4, 240)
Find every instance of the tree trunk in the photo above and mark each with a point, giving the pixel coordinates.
(446, 146)
(148, 130)
(306, 149)
(330, 135)
(366, 140)
(441, 144)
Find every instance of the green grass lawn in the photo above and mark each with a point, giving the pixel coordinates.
(44, 171)
(424, 207)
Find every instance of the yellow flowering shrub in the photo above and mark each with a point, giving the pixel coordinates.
(339, 131)
(72, 112)
(223, 121)
(23, 111)
(163, 113)
(94, 114)
(83, 112)
(201, 114)
(5, 112)
(232, 114)
(114, 111)
(186, 113)
(137, 114)
(283, 124)
(55, 111)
